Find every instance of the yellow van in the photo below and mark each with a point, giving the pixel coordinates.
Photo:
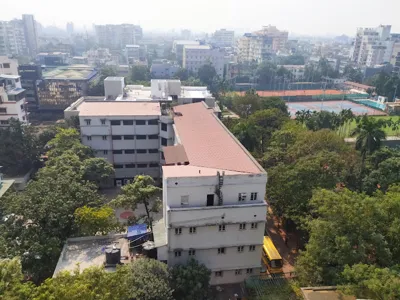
(271, 257)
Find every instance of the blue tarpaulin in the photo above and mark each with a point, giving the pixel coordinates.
(136, 231)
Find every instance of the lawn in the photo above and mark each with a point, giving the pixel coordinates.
(389, 132)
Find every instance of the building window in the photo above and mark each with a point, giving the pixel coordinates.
(129, 137)
(127, 122)
(164, 127)
(219, 274)
(242, 197)
(252, 248)
(89, 138)
(178, 253)
(117, 151)
(140, 122)
(153, 165)
(6, 65)
(104, 138)
(192, 252)
(142, 165)
(3, 110)
(116, 137)
(221, 227)
(254, 225)
(130, 151)
(141, 151)
(242, 226)
(253, 196)
(130, 166)
(115, 122)
(185, 200)
(22, 107)
(140, 137)
(103, 121)
(152, 122)
(240, 248)
(178, 231)
(238, 272)
(164, 142)
(153, 150)
(88, 121)
(105, 152)
(249, 271)
(153, 137)
(118, 166)
(221, 250)
(192, 229)
(4, 122)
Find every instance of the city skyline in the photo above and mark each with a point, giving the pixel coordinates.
(237, 15)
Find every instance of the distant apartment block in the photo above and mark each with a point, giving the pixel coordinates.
(261, 45)
(223, 38)
(30, 34)
(12, 100)
(98, 57)
(178, 46)
(373, 46)
(8, 66)
(62, 86)
(132, 53)
(118, 36)
(130, 125)
(12, 38)
(163, 69)
(31, 76)
(297, 71)
(194, 57)
(53, 58)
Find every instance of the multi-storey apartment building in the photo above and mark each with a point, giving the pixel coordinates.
(12, 38)
(12, 100)
(223, 38)
(195, 57)
(118, 36)
(30, 34)
(177, 48)
(260, 45)
(213, 198)
(130, 125)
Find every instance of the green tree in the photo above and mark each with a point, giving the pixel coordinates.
(97, 170)
(206, 74)
(182, 74)
(148, 279)
(190, 281)
(96, 88)
(92, 220)
(300, 161)
(266, 72)
(292, 60)
(372, 282)
(348, 228)
(141, 191)
(245, 105)
(265, 123)
(245, 132)
(353, 74)
(140, 73)
(274, 102)
(19, 148)
(11, 281)
(369, 135)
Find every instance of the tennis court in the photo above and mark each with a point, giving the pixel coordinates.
(333, 106)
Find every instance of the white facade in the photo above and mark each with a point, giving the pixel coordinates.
(195, 57)
(223, 38)
(12, 38)
(372, 46)
(215, 214)
(177, 48)
(8, 66)
(12, 100)
(296, 70)
(132, 53)
(117, 36)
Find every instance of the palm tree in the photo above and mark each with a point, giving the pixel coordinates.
(369, 136)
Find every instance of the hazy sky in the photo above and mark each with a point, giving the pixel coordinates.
(315, 17)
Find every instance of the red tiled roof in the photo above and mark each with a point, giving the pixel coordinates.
(208, 143)
(175, 154)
